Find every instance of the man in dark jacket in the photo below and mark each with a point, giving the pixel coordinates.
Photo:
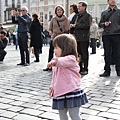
(23, 27)
(110, 22)
(3, 44)
(82, 34)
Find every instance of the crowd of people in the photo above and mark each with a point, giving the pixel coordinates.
(70, 38)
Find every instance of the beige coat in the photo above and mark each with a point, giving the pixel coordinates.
(93, 30)
(54, 28)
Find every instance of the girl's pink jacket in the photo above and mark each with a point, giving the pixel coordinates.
(66, 77)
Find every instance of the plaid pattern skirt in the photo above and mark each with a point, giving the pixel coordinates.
(72, 99)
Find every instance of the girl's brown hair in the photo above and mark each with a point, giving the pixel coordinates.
(67, 43)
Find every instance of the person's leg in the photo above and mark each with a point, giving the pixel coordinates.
(24, 40)
(80, 55)
(63, 114)
(74, 113)
(21, 50)
(2, 54)
(107, 51)
(51, 52)
(116, 49)
(85, 55)
(36, 52)
(93, 40)
(107, 55)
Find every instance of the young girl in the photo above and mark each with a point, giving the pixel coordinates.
(65, 85)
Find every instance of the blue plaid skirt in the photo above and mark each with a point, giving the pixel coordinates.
(72, 99)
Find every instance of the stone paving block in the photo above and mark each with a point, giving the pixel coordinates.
(1, 111)
(116, 102)
(45, 103)
(49, 115)
(110, 105)
(91, 117)
(4, 106)
(16, 103)
(31, 112)
(99, 108)
(5, 100)
(101, 99)
(94, 102)
(89, 111)
(8, 114)
(2, 118)
(26, 117)
(31, 106)
(114, 111)
(15, 109)
(109, 115)
(12, 97)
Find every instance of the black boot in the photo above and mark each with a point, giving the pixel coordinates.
(105, 74)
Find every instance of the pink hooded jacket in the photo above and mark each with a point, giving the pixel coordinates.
(66, 77)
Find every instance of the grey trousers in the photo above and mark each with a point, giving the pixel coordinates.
(73, 112)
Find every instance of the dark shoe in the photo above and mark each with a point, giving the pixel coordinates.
(92, 53)
(21, 64)
(118, 73)
(105, 74)
(36, 60)
(47, 69)
(84, 73)
(26, 64)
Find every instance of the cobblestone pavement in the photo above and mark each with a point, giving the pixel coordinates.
(24, 90)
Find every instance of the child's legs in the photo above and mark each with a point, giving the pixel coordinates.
(63, 114)
(74, 113)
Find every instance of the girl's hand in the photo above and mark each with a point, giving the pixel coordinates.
(51, 92)
(51, 63)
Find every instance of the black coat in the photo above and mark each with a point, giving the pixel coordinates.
(35, 31)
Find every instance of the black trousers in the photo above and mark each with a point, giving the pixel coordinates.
(82, 47)
(36, 52)
(93, 45)
(111, 43)
(23, 46)
(51, 51)
(2, 54)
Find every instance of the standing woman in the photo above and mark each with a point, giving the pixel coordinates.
(58, 25)
(73, 17)
(36, 38)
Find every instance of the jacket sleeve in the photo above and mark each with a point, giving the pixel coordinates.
(31, 28)
(85, 23)
(14, 20)
(51, 26)
(67, 61)
(67, 26)
(102, 21)
(3, 44)
(23, 20)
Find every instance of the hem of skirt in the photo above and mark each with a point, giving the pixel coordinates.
(70, 107)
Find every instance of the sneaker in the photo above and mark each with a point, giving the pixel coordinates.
(105, 74)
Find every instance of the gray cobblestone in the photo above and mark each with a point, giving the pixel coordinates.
(24, 90)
